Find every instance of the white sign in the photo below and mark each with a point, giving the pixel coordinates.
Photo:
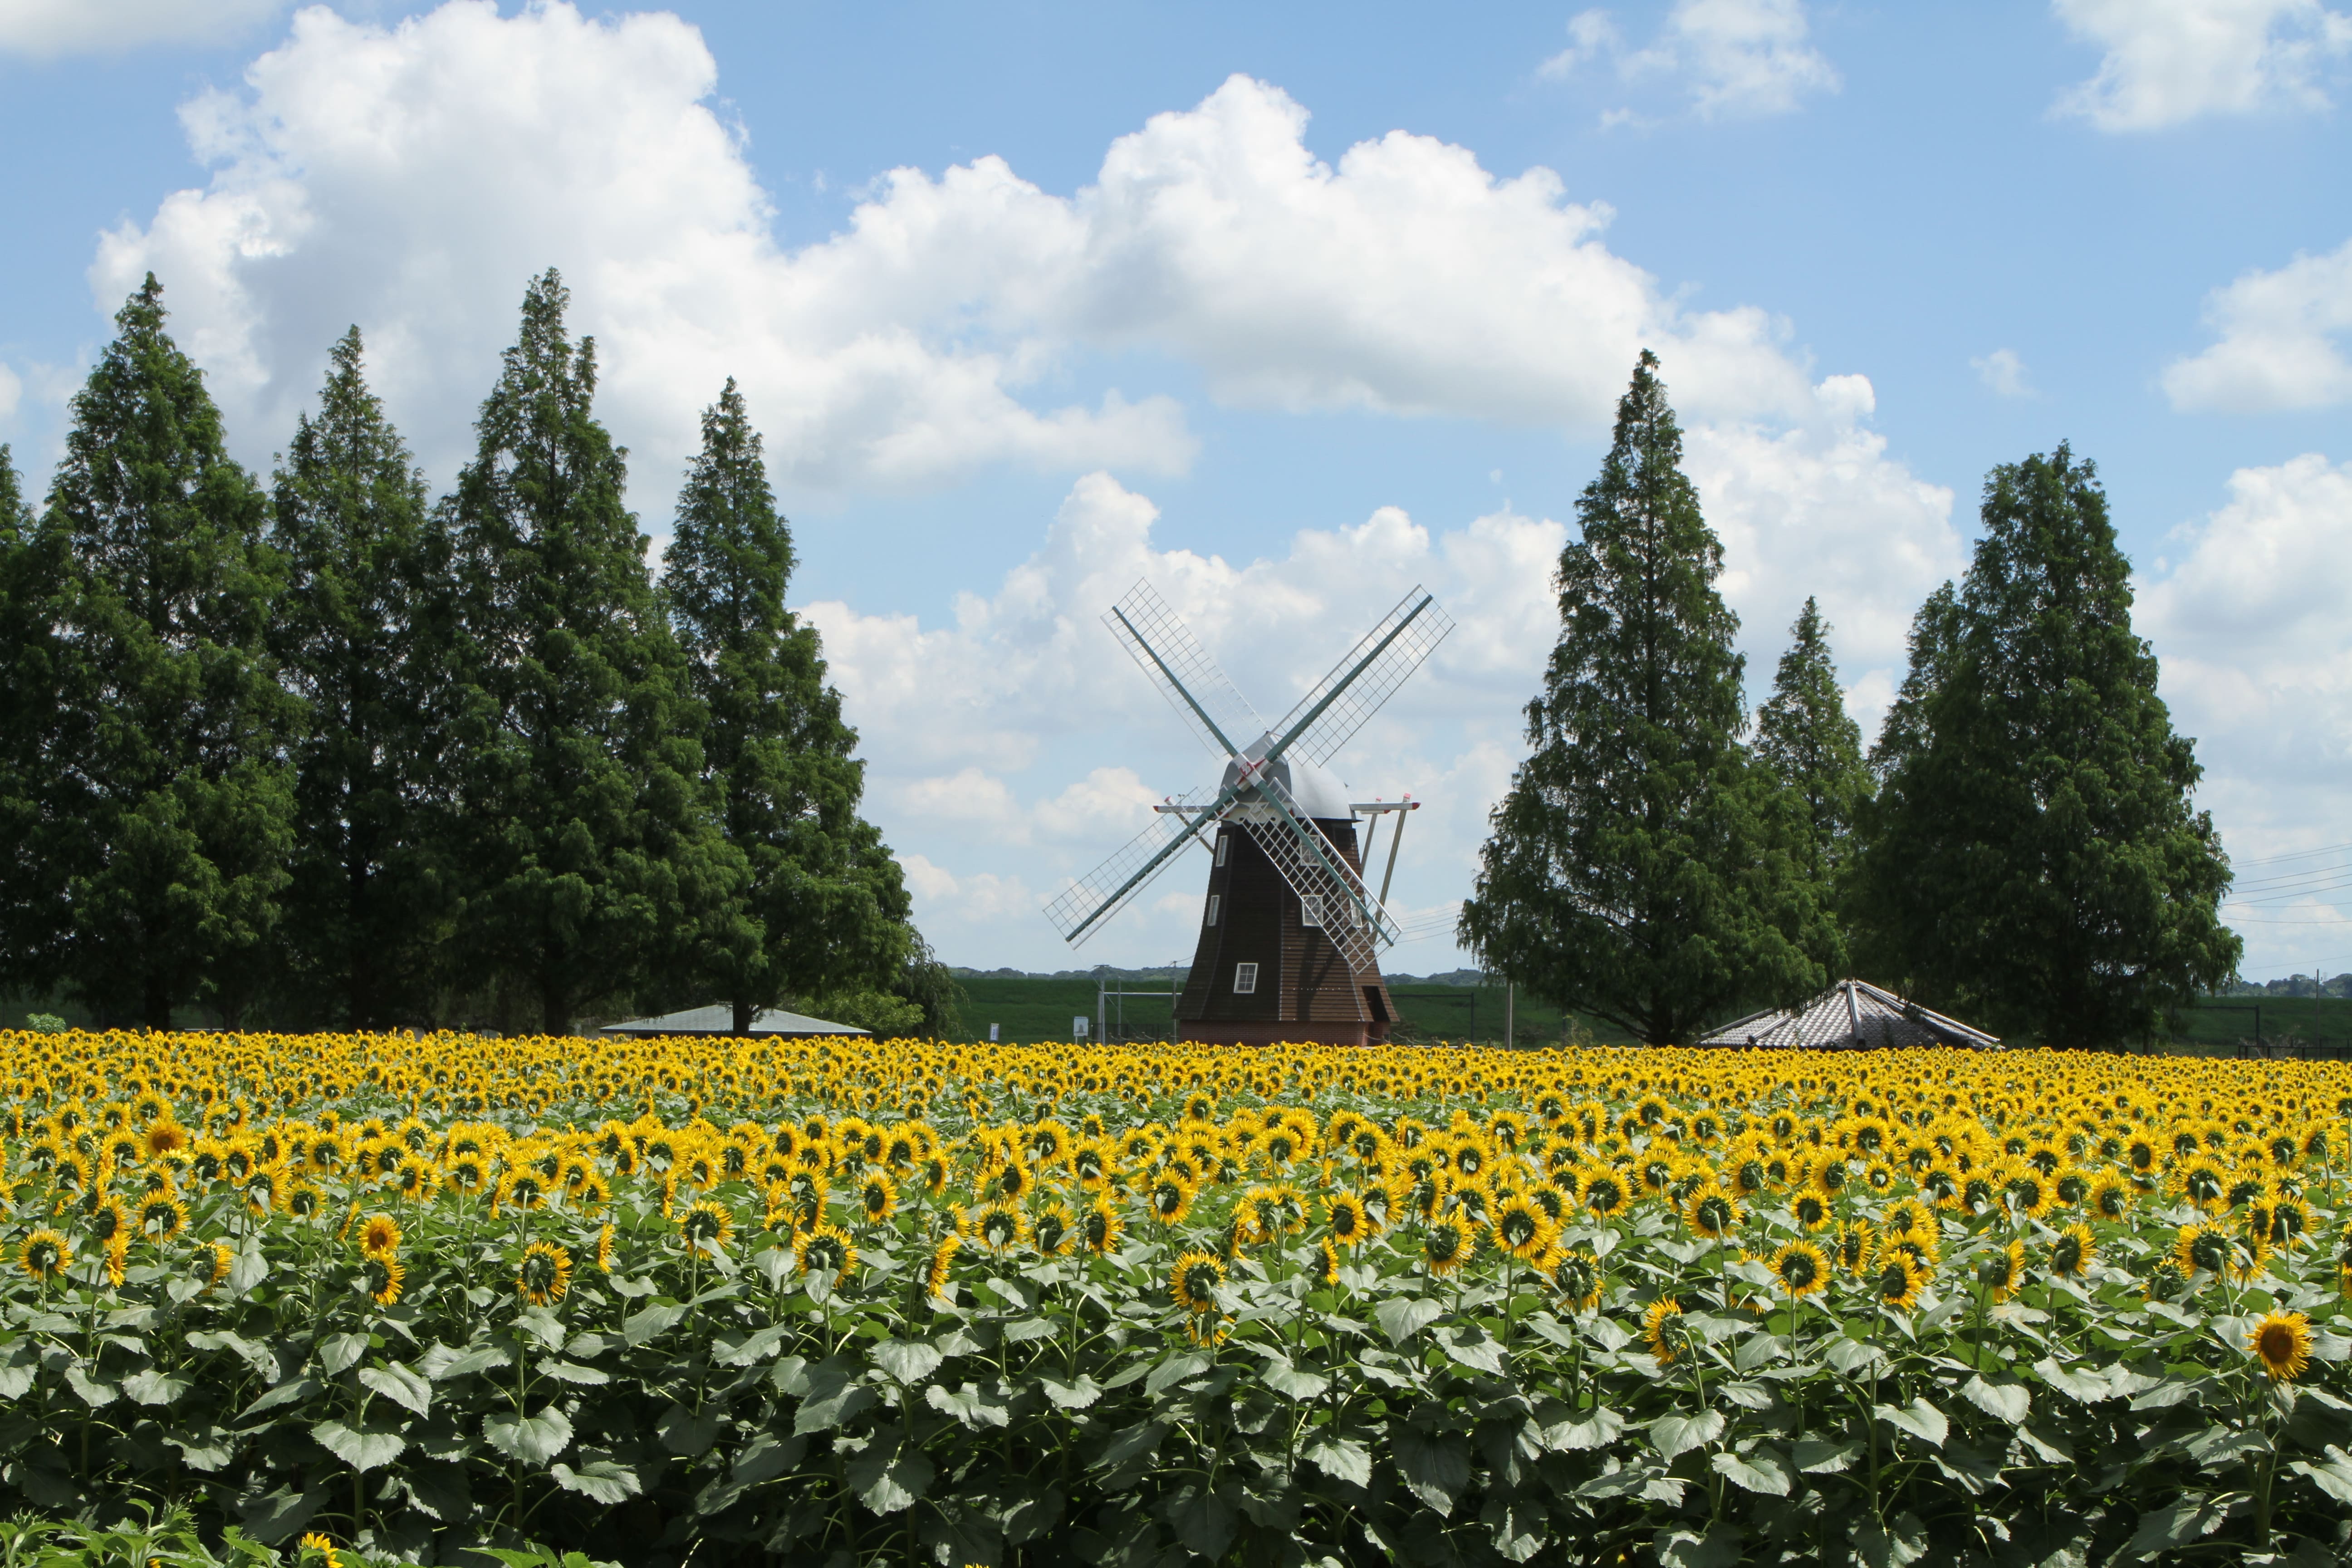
(1078, 1027)
(991, 1034)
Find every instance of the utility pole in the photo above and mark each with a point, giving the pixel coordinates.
(1510, 1013)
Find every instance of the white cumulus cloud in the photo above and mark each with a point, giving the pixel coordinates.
(2168, 61)
(1734, 58)
(46, 28)
(2281, 341)
(2257, 657)
(412, 177)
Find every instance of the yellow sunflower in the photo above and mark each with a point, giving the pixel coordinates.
(379, 1237)
(2072, 1254)
(1195, 1280)
(935, 1278)
(1801, 1268)
(1577, 1276)
(707, 1226)
(827, 1253)
(544, 1274)
(1521, 1229)
(1447, 1244)
(2281, 1343)
(1345, 1216)
(1661, 1328)
(1100, 1227)
(45, 1255)
(1896, 1279)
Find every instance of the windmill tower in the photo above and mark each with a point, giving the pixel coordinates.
(1290, 932)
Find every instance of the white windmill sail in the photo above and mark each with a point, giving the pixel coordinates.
(1339, 703)
(1173, 660)
(1079, 909)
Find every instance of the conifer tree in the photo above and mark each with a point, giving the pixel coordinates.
(589, 859)
(1634, 871)
(30, 913)
(362, 633)
(166, 825)
(2035, 859)
(825, 909)
(1805, 739)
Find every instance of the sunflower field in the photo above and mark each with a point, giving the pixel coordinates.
(840, 1302)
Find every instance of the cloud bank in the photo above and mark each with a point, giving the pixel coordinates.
(2170, 61)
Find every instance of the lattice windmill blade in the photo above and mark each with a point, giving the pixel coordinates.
(1342, 701)
(1156, 637)
(1314, 868)
(1080, 909)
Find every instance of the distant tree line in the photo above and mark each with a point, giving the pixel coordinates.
(2019, 848)
(330, 751)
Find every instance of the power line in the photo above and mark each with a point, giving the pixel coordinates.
(2298, 855)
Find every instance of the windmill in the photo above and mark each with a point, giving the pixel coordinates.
(1290, 932)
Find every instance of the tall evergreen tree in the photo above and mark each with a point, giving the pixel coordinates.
(363, 634)
(825, 909)
(167, 822)
(2034, 858)
(1634, 871)
(577, 750)
(1805, 739)
(31, 908)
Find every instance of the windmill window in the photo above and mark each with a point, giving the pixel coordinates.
(1310, 910)
(1222, 842)
(1213, 910)
(1245, 979)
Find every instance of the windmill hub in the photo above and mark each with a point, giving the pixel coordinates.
(1319, 795)
(1290, 931)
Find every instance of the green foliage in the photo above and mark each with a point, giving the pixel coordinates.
(878, 1013)
(1804, 739)
(362, 632)
(1635, 870)
(44, 1024)
(823, 908)
(2034, 859)
(160, 819)
(576, 750)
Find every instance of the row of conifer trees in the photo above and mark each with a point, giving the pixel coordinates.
(2019, 848)
(330, 752)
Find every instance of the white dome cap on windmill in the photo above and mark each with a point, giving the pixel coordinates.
(1318, 791)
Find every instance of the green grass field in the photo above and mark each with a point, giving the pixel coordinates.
(1033, 1011)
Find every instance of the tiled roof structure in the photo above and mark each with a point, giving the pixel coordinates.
(1853, 1014)
(719, 1019)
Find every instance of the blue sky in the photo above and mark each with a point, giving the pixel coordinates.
(1286, 309)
